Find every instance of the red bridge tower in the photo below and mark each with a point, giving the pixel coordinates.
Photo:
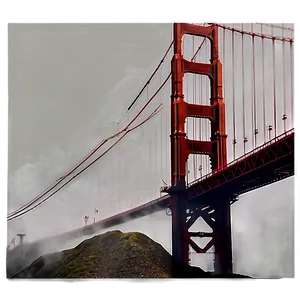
(181, 147)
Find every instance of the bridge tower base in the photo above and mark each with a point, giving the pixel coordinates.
(216, 213)
(222, 238)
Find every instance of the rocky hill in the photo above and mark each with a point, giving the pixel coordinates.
(112, 255)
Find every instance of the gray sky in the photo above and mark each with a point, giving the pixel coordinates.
(69, 85)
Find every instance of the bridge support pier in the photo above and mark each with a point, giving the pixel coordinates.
(180, 245)
(216, 213)
(222, 238)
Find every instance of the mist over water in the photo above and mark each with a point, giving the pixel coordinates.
(262, 234)
(132, 172)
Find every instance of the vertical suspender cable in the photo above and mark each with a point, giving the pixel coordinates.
(263, 75)
(223, 62)
(208, 97)
(292, 82)
(200, 120)
(255, 132)
(149, 140)
(176, 154)
(205, 123)
(283, 80)
(166, 131)
(251, 97)
(274, 83)
(156, 148)
(233, 94)
(168, 121)
(161, 132)
(194, 120)
(186, 85)
(117, 164)
(187, 122)
(243, 88)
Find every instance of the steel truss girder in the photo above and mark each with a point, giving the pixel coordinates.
(193, 213)
(217, 216)
(281, 148)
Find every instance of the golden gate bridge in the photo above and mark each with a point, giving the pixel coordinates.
(230, 121)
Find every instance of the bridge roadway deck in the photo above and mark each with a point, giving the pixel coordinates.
(264, 165)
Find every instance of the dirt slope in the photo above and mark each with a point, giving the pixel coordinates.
(111, 255)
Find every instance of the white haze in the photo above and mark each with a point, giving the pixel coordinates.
(130, 174)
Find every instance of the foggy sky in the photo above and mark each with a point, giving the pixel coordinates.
(69, 85)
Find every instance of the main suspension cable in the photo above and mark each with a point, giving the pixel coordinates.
(76, 167)
(89, 165)
(152, 75)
